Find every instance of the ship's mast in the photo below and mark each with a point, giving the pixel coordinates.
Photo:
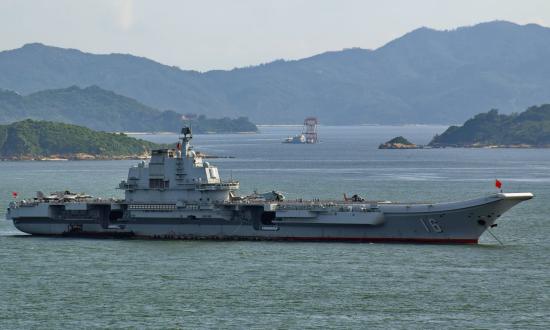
(185, 137)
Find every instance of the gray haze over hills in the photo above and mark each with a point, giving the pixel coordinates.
(426, 76)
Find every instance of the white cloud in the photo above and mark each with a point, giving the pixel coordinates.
(125, 17)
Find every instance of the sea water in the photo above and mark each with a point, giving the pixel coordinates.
(109, 283)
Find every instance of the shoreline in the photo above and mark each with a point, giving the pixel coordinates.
(75, 157)
(176, 133)
(491, 146)
(82, 156)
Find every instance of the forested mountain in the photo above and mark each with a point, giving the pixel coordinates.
(529, 128)
(426, 76)
(103, 110)
(34, 139)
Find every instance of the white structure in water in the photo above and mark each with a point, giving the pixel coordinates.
(309, 133)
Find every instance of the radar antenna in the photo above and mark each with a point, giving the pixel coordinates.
(185, 136)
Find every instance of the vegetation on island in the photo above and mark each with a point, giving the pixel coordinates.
(530, 128)
(104, 110)
(398, 143)
(202, 124)
(30, 139)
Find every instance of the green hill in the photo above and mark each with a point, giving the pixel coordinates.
(104, 110)
(398, 142)
(529, 128)
(35, 139)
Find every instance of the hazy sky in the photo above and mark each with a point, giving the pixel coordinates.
(209, 34)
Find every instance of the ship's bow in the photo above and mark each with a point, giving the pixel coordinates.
(509, 200)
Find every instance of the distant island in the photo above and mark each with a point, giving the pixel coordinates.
(202, 124)
(44, 140)
(529, 129)
(103, 110)
(399, 143)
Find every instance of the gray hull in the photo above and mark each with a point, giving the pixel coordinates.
(458, 222)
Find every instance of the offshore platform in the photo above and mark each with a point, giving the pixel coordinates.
(309, 133)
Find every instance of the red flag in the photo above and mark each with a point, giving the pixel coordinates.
(178, 146)
(14, 194)
(498, 184)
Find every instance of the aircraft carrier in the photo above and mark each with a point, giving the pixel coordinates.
(179, 195)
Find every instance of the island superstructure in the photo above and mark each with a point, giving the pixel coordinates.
(179, 195)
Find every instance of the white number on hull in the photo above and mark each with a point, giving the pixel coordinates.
(433, 225)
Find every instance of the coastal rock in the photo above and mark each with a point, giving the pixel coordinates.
(83, 156)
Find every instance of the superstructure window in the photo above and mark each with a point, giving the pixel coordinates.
(159, 184)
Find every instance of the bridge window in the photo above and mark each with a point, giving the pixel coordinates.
(159, 184)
